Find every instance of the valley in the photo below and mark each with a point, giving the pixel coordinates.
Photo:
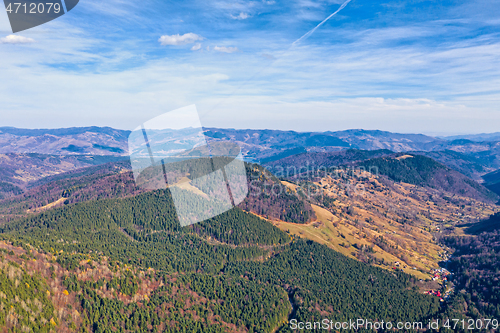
(383, 223)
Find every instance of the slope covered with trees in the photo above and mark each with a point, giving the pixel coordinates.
(423, 171)
(267, 196)
(232, 273)
(475, 262)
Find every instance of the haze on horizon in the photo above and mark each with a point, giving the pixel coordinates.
(398, 66)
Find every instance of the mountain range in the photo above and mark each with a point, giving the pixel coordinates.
(472, 158)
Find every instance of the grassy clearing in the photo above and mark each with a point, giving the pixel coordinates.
(56, 203)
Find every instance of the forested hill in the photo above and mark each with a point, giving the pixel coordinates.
(476, 266)
(490, 225)
(492, 181)
(129, 267)
(64, 141)
(424, 171)
(267, 196)
(292, 165)
(411, 168)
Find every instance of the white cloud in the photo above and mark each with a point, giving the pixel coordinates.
(15, 39)
(226, 49)
(242, 16)
(196, 47)
(188, 38)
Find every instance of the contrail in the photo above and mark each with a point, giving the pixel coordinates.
(319, 25)
(286, 52)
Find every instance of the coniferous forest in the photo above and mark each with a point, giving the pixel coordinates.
(233, 272)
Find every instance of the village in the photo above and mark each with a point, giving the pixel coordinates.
(441, 275)
(439, 282)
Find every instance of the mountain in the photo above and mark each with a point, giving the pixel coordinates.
(473, 165)
(475, 137)
(21, 169)
(304, 162)
(423, 171)
(65, 141)
(476, 269)
(380, 220)
(473, 158)
(492, 181)
(281, 202)
(267, 196)
(262, 145)
(370, 140)
(491, 224)
(110, 180)
(411, 168)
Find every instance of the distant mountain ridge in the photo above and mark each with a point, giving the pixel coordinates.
(463, 154)
(123, 134)
(476, 137)
(110, 141)
(64, 141)
(259, 145)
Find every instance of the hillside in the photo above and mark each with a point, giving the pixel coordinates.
(21, 169)
(327, 231)
(287, 204)
(235, 273)
(378, 221)
(260, 146)
(115, 180)
(268, 145)
(492, 181)
(413, 168)
(475, 262)
(476, 137)
(423, 171)
(470, 157)
(309, 162)
(64, 141)
(473, 166)
(489, 225)
(110, 180)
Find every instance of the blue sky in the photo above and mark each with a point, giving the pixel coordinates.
(403, 66)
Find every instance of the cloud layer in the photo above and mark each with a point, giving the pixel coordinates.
(399, 66)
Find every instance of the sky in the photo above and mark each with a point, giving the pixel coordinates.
(407, 66)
